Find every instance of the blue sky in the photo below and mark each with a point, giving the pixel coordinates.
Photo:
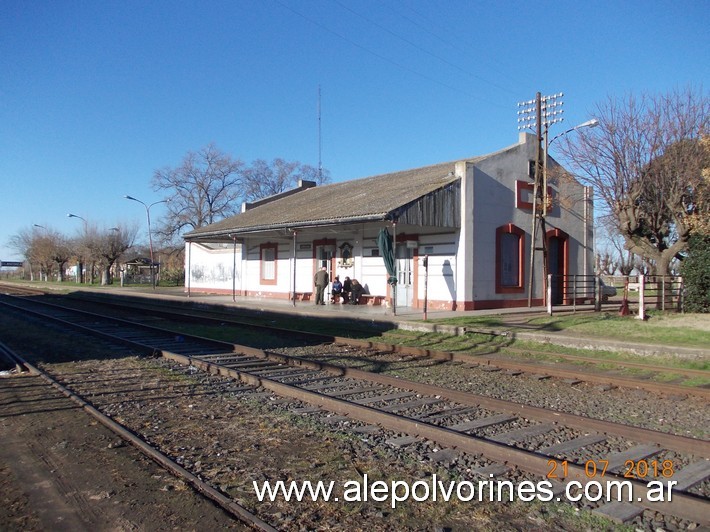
(97, 95)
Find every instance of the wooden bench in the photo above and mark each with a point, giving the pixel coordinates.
(302, 296)
(370, 299)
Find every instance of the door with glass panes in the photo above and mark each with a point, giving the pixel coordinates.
(405, 276)
(324, 257)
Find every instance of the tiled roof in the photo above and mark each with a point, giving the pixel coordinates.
(370, 198)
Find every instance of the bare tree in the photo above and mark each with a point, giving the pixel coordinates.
(205, 188)
(22, 242)
(45, 248)
(105, 247)
(265, 179)
(645, 163)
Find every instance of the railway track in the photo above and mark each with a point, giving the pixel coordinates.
(232, 508)
(489, 359)
(446, 416)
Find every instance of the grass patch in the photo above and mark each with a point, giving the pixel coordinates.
(471, 343)
(661, 328)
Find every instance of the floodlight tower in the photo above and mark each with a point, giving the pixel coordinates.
(539, 113)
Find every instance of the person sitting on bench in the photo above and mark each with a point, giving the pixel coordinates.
(336, 290)
(357, 291)
(347, 288)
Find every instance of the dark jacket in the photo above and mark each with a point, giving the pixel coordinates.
(321, 278)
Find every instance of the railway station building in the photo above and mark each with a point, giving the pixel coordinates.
(461, 234)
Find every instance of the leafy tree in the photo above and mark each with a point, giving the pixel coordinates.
(695, 270)
(203, 189)
(699, 220)
(645, 161)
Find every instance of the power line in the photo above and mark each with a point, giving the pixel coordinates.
(382, 57)
(415, 45)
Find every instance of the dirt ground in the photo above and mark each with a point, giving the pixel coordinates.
(62, 470)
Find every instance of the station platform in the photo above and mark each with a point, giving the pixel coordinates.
(366, 312)
(512, 321)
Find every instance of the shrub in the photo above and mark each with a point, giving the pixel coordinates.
(695, 270)
(172, 277)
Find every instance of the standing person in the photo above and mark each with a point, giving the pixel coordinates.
(321, 280)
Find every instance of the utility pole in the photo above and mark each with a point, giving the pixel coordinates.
(539, 113)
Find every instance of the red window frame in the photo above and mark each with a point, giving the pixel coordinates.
(262, 249)
(520, 286)
(521, 187)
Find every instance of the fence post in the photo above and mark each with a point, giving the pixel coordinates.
(574, 295)
(598, 293)
(642, 290)
(663, 293)
(680, 294)
(549, 294)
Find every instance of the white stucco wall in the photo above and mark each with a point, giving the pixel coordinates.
(212, 268)
(441, 284)
(494, 205)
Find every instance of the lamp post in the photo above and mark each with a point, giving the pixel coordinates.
(150, 234)
(80, 273)
(589, 123)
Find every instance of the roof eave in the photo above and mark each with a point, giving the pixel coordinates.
(229, 233)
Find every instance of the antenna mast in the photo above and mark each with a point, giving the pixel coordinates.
(320, 163)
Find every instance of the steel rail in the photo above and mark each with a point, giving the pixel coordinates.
(669, 441)
(666, 440)
(689, 507)
(13, 358)
(690, 372)
(180, 472)
(684, 506)
(481, 359)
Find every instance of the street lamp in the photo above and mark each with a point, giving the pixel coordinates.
(589, 123)
(150, 235)
(70, 215)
